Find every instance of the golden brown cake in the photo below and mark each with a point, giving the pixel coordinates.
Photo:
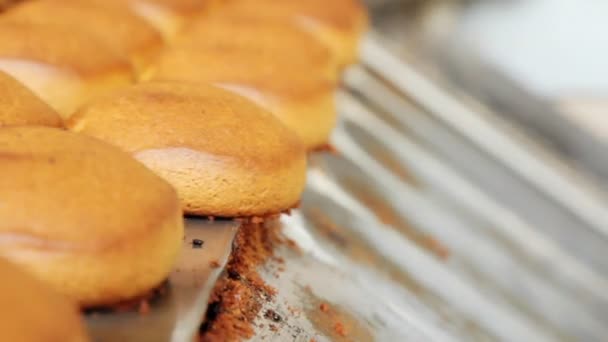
(225, 155)
(84, 216)
(30, 311)
(6, 4)
(62, 66)
(302, 98)
(337, 23)
(279, 39)
(167, 16)
(129, 35)
(20, 107)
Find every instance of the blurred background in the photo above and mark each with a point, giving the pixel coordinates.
(540, 62)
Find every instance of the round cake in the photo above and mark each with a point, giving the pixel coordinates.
(129, 35)
(33, 312)
(63, 66)
(337, 23)
(84, 216)
(277, 38)
(167, 16)
(20, 107)
(225, 155)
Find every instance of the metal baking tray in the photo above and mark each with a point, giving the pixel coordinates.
(486, 275)
(434, 220)
(177, 315)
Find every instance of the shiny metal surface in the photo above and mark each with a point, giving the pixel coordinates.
(534, 168)
(520, 174)
(176, 316)
(362, 227)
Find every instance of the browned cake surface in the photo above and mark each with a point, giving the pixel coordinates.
(281, 40)
(122, 30)
(31, 312)
(59, 46)
(225, 155)
(339, 23)
(340, 14)
(62, 65)
(167, 16)
(183, 7)
(196, 116)
(6, 4)
(264, 72)
(19, 106)
(85, 216)
(186, 7)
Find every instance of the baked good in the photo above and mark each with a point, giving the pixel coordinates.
(273, 62)
(225, 155)
(302, 98)
(63, 66)
(277, 38)
(167, 16)
(19, 106)
(84, 216)
(6, 4)
(30, 311)
(337, 23)
(126, 33)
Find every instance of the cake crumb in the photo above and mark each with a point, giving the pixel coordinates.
(239, 296)
(440, 250)
(197, 243)
(144, 307)
(324, 307)
(340, 329)
(257, 220)
(293, 311)
(272, 315)
(215, 264)
(328, 148)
